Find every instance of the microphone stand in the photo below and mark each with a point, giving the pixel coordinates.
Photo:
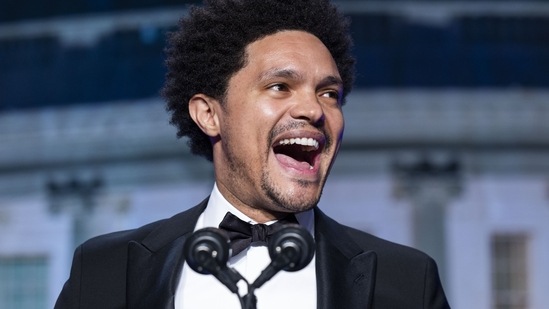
(230, 278)
(249, 301)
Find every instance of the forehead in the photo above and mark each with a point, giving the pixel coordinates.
(290, 48)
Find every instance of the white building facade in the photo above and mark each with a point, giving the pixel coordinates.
(471, 207)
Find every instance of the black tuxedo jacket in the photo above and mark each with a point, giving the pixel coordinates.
(140, 269)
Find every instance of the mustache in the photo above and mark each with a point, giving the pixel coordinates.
(295, 125)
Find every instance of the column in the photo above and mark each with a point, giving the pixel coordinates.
(429, 186)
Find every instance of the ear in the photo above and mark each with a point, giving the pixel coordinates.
(202, 109)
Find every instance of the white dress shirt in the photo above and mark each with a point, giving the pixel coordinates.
(285, 290)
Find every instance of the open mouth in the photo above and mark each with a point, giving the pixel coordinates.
(300, 152)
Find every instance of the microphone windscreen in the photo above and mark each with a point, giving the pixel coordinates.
(207, 250)
(295, 243)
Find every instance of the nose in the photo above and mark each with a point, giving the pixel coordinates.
(308, 108)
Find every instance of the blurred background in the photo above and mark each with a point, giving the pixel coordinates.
(446, 146)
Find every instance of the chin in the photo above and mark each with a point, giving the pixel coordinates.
(299, 201)
(292, 195)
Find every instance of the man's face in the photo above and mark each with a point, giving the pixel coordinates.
(280, 127)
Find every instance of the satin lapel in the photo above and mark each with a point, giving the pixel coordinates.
(154, 265)
(345, 273)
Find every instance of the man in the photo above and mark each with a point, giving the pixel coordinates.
(257, 86)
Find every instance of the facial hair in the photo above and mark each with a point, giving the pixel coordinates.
(278, 200)
(293, 204)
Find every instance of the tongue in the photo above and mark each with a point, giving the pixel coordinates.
(293, 163)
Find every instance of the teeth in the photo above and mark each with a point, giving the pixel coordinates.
(300, 141)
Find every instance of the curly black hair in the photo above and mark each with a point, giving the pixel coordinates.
(208, 48)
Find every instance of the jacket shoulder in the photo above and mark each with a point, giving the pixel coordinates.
(404, 274)
(168, 229)
(385, 248)
(98, 273)
(404, 277)
(112, 241)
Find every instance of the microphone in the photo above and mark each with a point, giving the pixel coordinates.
(291, 249)
(207, 252)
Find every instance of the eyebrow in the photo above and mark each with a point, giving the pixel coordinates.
(331, 80)
(280, 73)
(292, 74)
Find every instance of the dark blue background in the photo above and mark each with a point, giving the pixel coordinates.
(392, 52)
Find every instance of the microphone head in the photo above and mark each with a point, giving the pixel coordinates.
(295, 243)
(207, 250)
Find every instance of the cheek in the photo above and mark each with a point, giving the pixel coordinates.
(262, 119)
(247, 134)
(336, 123)
(268, 110)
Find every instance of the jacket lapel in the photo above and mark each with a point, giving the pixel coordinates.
(154, 264)
(345, 273)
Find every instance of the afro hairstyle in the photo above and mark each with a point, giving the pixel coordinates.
(208, 48)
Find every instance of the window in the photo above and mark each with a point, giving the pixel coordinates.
(23, 282)
(509, 271)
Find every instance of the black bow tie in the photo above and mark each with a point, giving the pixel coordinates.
(242, 234)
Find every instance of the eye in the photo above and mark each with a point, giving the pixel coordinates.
(278, 87)
(332, 94)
